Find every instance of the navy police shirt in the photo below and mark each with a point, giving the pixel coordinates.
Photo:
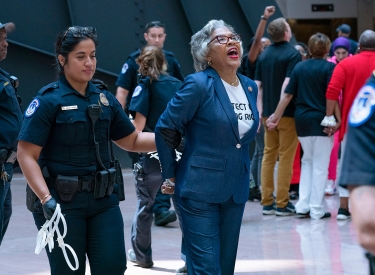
(151, 99)
(127, 78)
(359, 156)
(57, 119)
(10, 114)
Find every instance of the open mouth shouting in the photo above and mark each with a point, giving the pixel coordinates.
(233, 52)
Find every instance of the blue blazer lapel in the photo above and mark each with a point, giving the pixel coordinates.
(224, 99)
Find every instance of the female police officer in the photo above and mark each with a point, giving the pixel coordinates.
(67, 132)
(149, 100)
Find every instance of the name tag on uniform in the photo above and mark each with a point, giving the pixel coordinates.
(73, 107)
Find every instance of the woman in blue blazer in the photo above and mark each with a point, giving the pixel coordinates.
(215, 110)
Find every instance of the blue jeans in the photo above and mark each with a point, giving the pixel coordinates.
(212, 231)
(5, 201)
(94, 228)
(256, 162)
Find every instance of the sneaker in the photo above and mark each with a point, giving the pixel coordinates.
(343, 214)
(182, 270)
(163, 218)
(303, 215)
(288, 210)
(326, 215)
(132, 258)
(254, 194)
(331, 187)
(269, 209)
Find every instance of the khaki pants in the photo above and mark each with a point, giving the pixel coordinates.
(279, 143)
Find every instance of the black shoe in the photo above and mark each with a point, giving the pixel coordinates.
(163, 218)
(254, 194)
(293, 195)
(343, 214)
(303, 215)
(326, 215)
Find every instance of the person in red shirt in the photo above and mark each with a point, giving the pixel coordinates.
(349, 76)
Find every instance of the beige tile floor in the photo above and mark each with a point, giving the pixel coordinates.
(268, 244)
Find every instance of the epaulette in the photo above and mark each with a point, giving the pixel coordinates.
(49, 87)
(99, 83)
(168, 53)
(135, 54)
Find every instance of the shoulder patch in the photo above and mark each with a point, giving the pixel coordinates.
(32, 107)
(363, 106)
(124, 68)
(137, 91)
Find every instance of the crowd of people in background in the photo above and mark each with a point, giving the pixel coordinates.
(291, 99)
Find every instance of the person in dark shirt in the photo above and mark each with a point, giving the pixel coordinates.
(64, 151)
(150, 98)
(358, 164)
(126, 83)
(308, 84)
(274, 67)
(10, 125)
(248, 66)
(128, 78)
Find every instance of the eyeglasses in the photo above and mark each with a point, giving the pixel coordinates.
(81, 32)
(223, 39)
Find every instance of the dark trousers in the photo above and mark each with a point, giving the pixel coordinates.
(256, 162)
(146, 190)
(94, 228)
(5, 201)
(162, 203)
(212, 231)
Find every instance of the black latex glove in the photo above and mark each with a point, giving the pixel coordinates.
(171, 137)
(49, 208)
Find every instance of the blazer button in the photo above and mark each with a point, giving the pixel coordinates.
(238, 146)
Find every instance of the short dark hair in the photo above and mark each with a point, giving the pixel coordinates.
(154, 24)
(319, 44)
(68, 39)
(367, 40)
(276, 29)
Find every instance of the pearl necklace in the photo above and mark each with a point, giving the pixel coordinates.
(232, 84)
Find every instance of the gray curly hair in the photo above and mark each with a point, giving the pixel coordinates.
(199, 43)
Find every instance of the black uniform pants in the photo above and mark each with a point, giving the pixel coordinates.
(5, 201)
(94, 228)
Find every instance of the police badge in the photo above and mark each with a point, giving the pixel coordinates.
(103, 99)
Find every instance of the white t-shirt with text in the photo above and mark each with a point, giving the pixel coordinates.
(241, 107)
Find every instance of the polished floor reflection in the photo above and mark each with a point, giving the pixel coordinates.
(268, 244)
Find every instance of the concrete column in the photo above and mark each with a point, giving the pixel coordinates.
(365, 9)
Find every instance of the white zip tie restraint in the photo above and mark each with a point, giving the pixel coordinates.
(46, 233)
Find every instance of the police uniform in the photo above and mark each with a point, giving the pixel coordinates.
(58, 121)
(128, 79)
(149, 99)
(359, 157)
(10, 125)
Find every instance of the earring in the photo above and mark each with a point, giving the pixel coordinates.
(209, 63)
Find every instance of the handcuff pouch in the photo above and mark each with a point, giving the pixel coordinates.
(66, 187)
